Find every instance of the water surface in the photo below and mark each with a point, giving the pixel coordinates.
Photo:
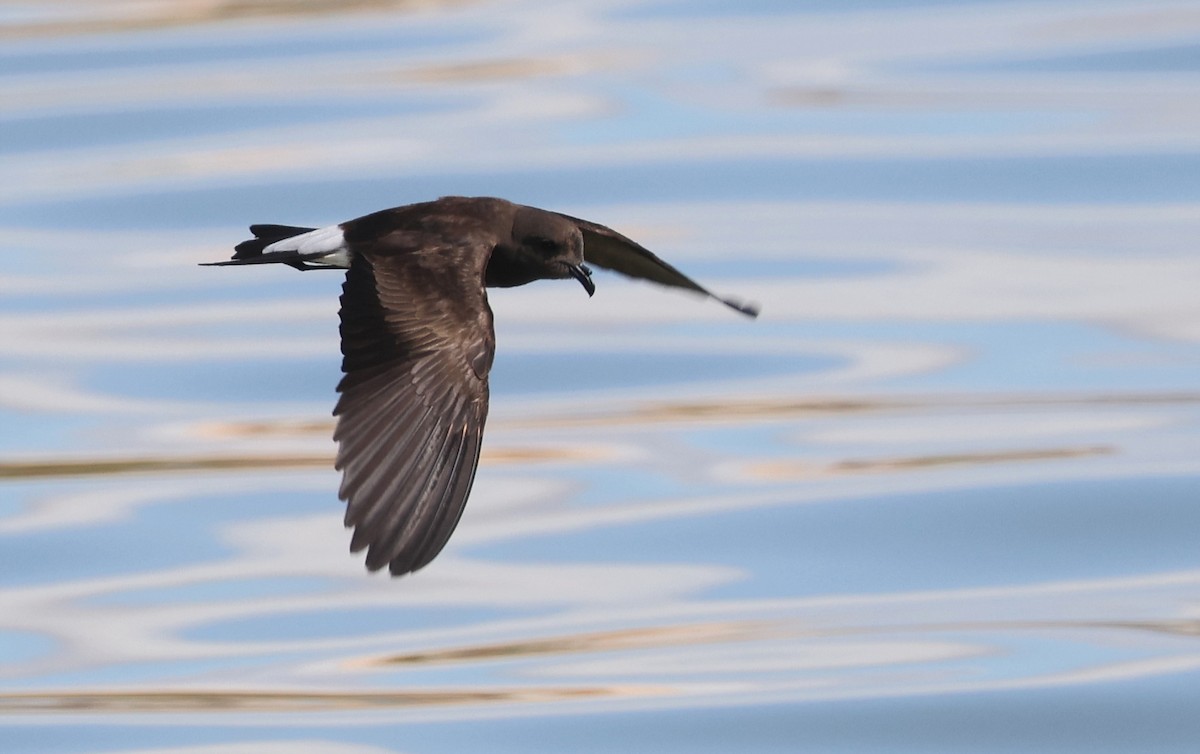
(941, 496)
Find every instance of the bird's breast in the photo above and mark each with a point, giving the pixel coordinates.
(506, 269)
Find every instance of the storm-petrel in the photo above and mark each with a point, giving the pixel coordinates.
(417, 345)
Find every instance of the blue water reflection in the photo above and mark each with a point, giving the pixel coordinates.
(134, 126)
(571, 371)
(914, 543)
(1176, 58)
(323, 624)
(18, 647)
(1065, 179)
(209, 591)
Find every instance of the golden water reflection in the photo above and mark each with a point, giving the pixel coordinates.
(773, 471)
(777, 471)
(713, 411)
(838, 649)
(298, 701)
(108, 17)
(607, 641)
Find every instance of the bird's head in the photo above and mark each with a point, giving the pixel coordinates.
(549, 246)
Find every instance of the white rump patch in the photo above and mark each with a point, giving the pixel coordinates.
(325, 246)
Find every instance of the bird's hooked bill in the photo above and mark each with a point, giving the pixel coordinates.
(584, 275)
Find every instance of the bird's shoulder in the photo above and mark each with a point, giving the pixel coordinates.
(452, 222)
(428, 303)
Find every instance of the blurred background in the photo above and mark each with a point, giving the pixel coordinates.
(943, 495)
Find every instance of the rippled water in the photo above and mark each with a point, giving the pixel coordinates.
(943, 496)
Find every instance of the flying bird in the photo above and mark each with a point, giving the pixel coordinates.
(417, 345)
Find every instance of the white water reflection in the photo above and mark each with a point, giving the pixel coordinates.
(947, 479)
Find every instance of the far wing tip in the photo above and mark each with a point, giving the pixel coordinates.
(749, 308)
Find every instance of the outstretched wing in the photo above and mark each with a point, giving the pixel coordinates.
(605, 247)
(417, 343)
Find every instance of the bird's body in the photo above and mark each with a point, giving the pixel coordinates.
(417, 346)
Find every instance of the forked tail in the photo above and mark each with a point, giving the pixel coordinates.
(301, 248)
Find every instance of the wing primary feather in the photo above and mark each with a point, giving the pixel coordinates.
(364, 406)
(382, 504)
(387, 544)
(429, 508)
(406, 483)
(464, 478)
(373, 497)
(362, 449)
(748, 308)
(365, 425)
(390, 467)
(447, 460)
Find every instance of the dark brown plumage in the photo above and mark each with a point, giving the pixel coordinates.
(417, 346)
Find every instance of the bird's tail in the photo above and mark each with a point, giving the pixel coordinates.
(251, 251)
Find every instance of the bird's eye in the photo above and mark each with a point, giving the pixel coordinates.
(548, 245)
